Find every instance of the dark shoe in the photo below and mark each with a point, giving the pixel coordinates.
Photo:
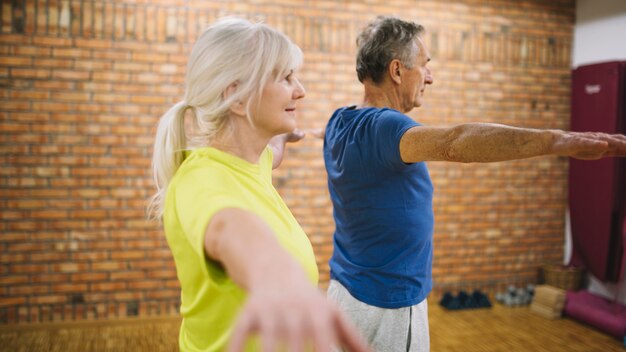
(481, 299)
(448, 301)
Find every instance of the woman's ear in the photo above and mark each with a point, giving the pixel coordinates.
(237, 107)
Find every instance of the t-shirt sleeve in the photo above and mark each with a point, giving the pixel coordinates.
(386, 130)
(197, 201)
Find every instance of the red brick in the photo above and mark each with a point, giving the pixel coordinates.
(89, 214)
(21, 290)
(15, 61)
(68, 267)
(110, 98)
(126, 193)
(107, 224)
(30, 116)
(108, 286)
(71, 53)
(93, 65)
(30, 73)
(129, 66)
(67, 225)
(111, 55)
(161, 274)
(89, 171)
(89, 277)
(143, 285)
(48, 299)
(111, 76)
(8, 258)
(71, 97)
(69, 287)
(65, 203)
(58, 85)
(28, 50)
(28, 246)
(16, 105)
(27, 268)
(127, 296)
(91, 256)
(37, 95)
(71, 75)
(127, 275)
(93, 43)
(108, 266)
(128, 254)
(89, 150)
(49, 193)
(26, 204)
(54, 63)
(12, 301)
(13, 279)
(50, 278)
(13, 128)
(96, 86)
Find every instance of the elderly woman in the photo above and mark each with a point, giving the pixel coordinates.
(244, 264)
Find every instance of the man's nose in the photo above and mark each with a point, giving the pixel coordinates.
(429, 77)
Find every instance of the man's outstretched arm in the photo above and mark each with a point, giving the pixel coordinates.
(485, 142)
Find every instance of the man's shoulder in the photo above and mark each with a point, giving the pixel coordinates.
(391, 114)
(367, 112)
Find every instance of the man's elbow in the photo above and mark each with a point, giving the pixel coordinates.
(453, 154)
(452, 149)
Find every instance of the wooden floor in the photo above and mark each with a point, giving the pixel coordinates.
(505, 329)
(499, 329)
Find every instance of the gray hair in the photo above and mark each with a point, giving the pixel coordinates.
(383, 40)
(230, 52)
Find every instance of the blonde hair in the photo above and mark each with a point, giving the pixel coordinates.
(231, 52)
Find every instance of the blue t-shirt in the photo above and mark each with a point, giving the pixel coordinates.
(382, 209)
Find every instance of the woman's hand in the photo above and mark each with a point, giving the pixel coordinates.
(294, 318)
(283, 306)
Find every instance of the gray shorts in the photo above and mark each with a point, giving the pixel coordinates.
(386, 330)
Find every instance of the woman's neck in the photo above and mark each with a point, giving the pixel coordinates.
(241, 140)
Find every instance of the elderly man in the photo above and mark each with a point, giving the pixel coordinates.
(381, 189)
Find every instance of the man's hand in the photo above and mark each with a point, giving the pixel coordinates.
(294, 136)
(277, 143)
(589, 145)
(315, 132)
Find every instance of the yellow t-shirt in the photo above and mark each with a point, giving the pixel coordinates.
(207, 181)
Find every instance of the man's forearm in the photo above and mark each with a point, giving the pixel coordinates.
(483, 142)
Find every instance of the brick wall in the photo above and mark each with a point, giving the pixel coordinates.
(83, 83)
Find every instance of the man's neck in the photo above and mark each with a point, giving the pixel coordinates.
(384, 95)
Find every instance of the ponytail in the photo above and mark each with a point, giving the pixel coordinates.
(169, 149)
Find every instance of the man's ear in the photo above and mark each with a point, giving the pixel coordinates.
(394, 69)
(237, 107)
